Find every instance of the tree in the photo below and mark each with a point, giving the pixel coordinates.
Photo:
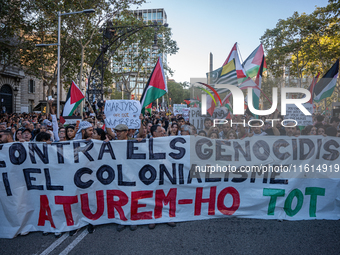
(303, 45)
(178, 92)
(36, 22)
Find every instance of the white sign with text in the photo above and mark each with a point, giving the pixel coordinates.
(294, 113)
(122, 112)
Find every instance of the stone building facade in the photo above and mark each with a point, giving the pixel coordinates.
(22, 93)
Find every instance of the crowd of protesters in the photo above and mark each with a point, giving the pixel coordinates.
(36, 127)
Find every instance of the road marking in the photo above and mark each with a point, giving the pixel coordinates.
(54, 244)
(74, 243)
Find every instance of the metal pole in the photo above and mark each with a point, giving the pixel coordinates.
(58, 62)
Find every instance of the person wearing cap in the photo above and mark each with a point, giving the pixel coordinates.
(26, 135)
(122, 132)
(85, 131)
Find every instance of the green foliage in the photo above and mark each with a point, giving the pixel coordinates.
(178, 92)
(302, 45)
(32, 22)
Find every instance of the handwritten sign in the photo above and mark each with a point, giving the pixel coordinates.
(220, 113)
(294, 113)
(122, 112)
(178, 108)
(186, 112)
(196, 119)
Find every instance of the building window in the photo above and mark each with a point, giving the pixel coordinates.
(159, 15)
(154, 17)
(30, 105)
(145, 16)
(31, 86)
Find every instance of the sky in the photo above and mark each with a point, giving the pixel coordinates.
(200, 27)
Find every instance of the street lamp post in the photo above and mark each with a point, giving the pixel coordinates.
(15, 92)
(58, 44)
(96, 77)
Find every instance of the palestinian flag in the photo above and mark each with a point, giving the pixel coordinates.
(73, 100)
(325, 87)
(252, 64)
(228, 105)
(155, 87)
(192, 102)
(311, 88)
(258, 80)
(149, 108)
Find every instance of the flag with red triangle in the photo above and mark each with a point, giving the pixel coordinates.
(73, 100)
(311, 87)
(149, 108)
(156, 86)
(258, 81)
(228, 105)
(253, 62)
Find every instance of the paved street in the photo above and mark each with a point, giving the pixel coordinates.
(218, 236)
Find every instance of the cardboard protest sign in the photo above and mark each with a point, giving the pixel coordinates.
(67, 185)
(186, 112)
(220, 112)
(122, 112)
(196, 119)
(294, 113)
(178, 108)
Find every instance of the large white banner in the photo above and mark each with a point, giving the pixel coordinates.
(64, 186)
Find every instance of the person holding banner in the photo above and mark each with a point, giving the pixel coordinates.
(26, 135)
(225, 129)
(70, 132)
(122, 134)
(157, 131)
(174, 129)
(85, 131)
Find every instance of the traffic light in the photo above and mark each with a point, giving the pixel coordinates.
(132, 97)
